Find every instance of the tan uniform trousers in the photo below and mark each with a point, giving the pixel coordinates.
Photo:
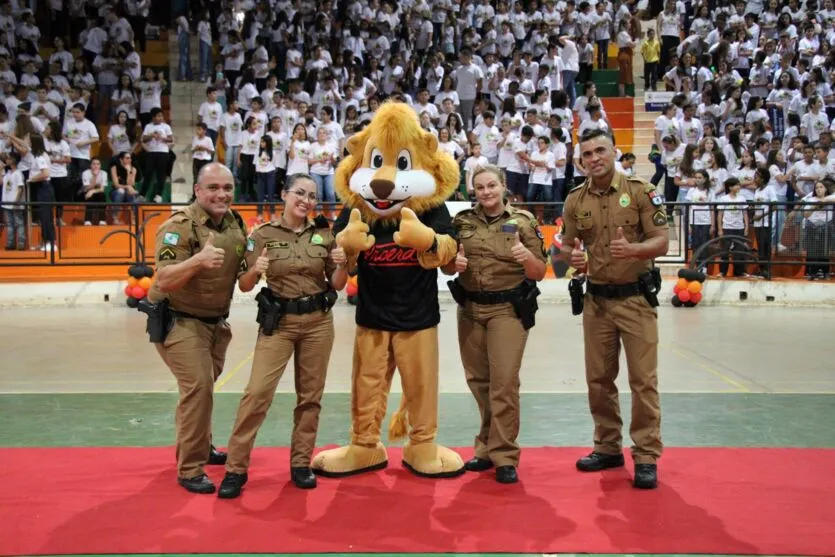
(492, 341)
(606, 323)
(376, 354)
(309, 338)
(195, 353)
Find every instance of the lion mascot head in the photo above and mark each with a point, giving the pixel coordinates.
(394, 163)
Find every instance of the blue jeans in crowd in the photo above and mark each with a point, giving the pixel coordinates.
(265, 189)
(15, 227)
(324, 187)
(184, 48)
(231, 159)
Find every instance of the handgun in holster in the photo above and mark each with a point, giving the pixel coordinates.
(458, 292)
(575, 290)
(330, 300)
(650, 285)
(525, 304)
(269, 311)
(160, 319)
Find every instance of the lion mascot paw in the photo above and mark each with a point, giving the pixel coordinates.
(396, 231)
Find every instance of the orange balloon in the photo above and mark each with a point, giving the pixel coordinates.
(694, 287)
(682, 284)
(145, 283)
(132, 282)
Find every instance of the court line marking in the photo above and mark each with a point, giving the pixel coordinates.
(709, 369)
(225, 379)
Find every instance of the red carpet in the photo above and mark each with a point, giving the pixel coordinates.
(731, 501)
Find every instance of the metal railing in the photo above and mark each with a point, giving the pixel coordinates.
(784, 234)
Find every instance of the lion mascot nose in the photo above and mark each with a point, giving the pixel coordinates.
(382, 184)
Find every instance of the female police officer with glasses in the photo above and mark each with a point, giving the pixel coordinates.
(303, 267)
(500, 256)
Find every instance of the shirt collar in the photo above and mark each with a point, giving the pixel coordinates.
(618, 180)
(283, 224)
(479, 211)
(203, 218)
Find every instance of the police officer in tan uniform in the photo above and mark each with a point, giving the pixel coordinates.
(304, 268)
(500, 257)
(623, 227)
(198, 257)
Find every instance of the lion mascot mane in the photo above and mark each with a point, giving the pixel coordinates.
(396, 231)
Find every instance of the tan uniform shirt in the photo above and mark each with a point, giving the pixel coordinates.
(487, 243)
(209, 292)
(629, 203)
(300, 263)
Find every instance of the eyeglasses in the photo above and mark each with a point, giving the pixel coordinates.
(303, 194)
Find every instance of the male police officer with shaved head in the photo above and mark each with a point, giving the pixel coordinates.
(622, 224)
(199, 254)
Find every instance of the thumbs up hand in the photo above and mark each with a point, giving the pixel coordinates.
(461, 260)
(355, 237)
(262, 263)
(578, 256)
(210, 256)
(519, 252)
(620, 248)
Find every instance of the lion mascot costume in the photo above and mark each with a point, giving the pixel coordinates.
(396, 231)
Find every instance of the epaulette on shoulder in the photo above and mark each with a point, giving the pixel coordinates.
(526, 213)
(576, 188)
(263, 224)
(178, 217)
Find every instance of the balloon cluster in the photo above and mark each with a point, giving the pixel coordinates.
(688, 290)
(351, 289)
(139, 282)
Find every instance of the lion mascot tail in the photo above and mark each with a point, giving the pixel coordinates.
(399, 426)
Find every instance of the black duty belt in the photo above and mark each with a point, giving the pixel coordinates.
(207, 320)
(497, 297)
(307, 304)
(614, 290)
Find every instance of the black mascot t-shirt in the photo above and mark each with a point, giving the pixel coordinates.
(394, 292)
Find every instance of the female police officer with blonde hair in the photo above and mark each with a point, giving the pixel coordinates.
(500, 257)
(303, 267)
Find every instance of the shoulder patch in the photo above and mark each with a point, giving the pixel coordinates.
(166, 254)
(250, 244)
(171, 239)
(659, 218)
(244, 267)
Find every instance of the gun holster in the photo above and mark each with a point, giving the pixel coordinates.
(578, 296)
(269, 311)
(650, 285)
(160, 319)
(525, 303)
(457, 291)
